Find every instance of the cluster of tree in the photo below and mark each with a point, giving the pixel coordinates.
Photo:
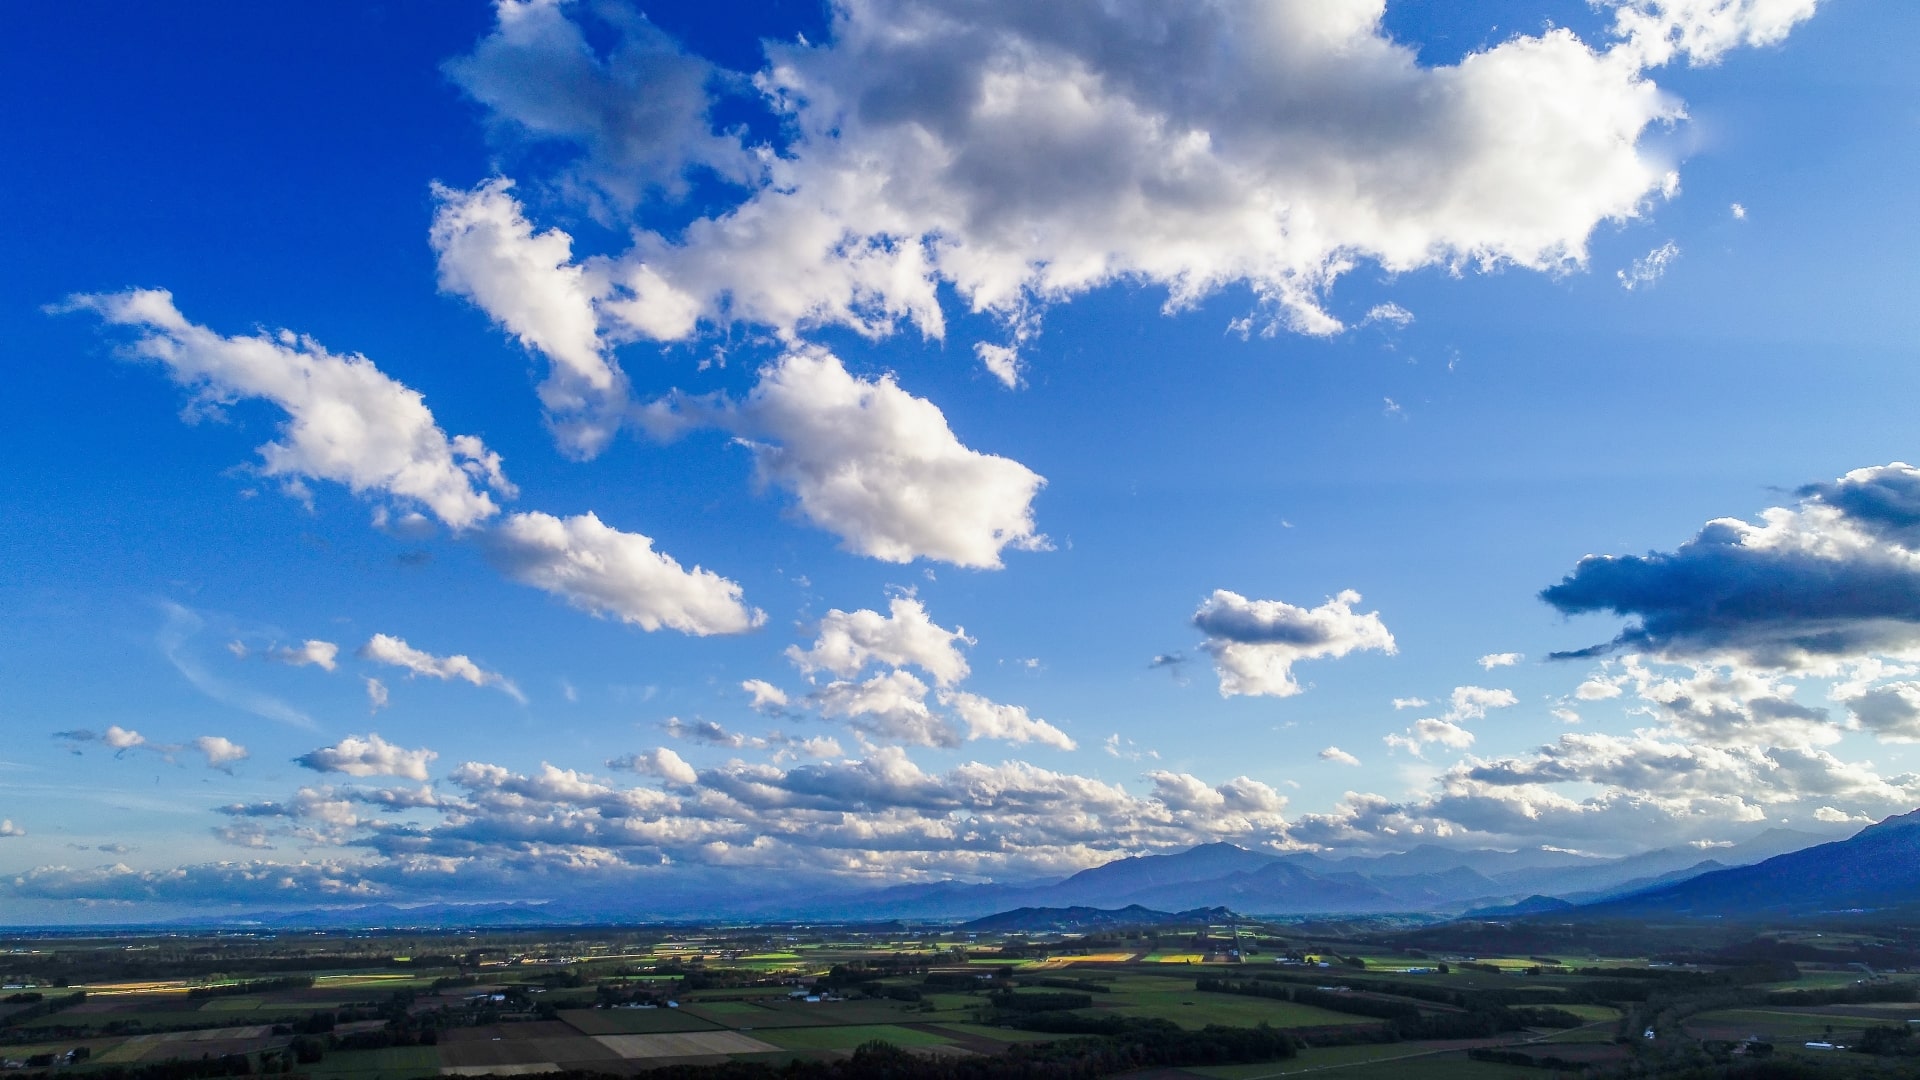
(1516, 1057)
(45, 1006)
(1475, 1019)
(254, 986)
(1148, 1044)
(1886, 1040)
(177, 1069)
(1461, 996)
(1039, 1001)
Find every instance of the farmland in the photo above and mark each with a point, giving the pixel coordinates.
(1232, 1002)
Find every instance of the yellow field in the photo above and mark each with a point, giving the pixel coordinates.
(1092, 958)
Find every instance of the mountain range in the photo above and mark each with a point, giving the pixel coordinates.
(1876, 868)
(1427, 878)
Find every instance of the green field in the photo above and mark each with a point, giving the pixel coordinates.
(635, 1021)
(997, 1034)
(396, 1062)
(846, 1038)
(1193, 1010)
(1386, 1061)
(1780, 1025)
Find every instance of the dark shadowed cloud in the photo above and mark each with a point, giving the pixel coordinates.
(1832, 578)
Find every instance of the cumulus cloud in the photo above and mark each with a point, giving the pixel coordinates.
(661, 762)
(347, 422)
(1704, 30)
(1410, 703)
(219, 751)
(114, 738)
(377, 695)
(386, 649)
(1023, 158)
(1598, 688)
(1255, 643)
(847, 641)
(1890, 712)
(1836, 576)
(320, 654)
(8, 828)
(489, 253)
(1500, 659)
(870, 463)
(1472, 702)
(640, 111)
(783, 746)
(1338, 756)
(602, 570)
(369, 756)
(1431, 730)
(892, 706)
(986, 719)
(766, 696)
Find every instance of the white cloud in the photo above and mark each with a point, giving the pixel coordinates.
(1255, 643)
(765, 695)
(1501, 659)
(369, 756)
(320, 654)
(848, 641)
(892, 706)
(1704, 30)
(1649, 268)
(120, 738)
(783, 746)
(1338, 756)
(661, 762)
(219, 751)
(602, 570)
(871, 463)
(377, 695)
(527, 282)
(1431, 730)
(8, 828)
(386, 649)
(989, 720)
(1891, 712)
(1738, 211)
(1410, 703)
(641, 111)
(1025, 160)
(1598, 689)
(1127, 749)
(1002, 361)
(1472, 702)
(346, 421)
(1388, 312)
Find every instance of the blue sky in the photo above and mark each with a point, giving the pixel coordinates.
(1117, 343)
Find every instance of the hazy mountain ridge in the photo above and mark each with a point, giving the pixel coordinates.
(1877, 867)
(1426, 878)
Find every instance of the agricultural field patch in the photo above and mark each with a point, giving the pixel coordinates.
(634, 1021)
(684, 1044)
(849, 1037)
